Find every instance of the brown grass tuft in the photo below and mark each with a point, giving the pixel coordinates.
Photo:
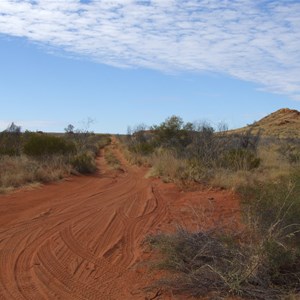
(18, 171)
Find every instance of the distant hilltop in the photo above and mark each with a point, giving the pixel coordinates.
(283, 123)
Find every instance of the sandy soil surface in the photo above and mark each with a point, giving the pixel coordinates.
(82, 238)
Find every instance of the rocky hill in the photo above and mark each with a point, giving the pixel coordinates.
(283, 123)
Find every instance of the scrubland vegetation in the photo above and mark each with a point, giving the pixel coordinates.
(30, 157)
(186, 153)
(260, 261)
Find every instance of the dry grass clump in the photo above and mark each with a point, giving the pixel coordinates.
(111, 159)
(17, 171)
(233, 180)
(166, 165)
(273, 166)
(133, 158)
(138, 159)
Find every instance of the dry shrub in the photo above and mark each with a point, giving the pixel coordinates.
(21, 170)
(166, 165)
(190, 152)
(233, 180)
(199, 172)
(136, 158)
(226, 263)
(240, 159)
(84, 163)
(272, 160)
(272, 168)
(223, 160)
(290, 152)
(52, 169)
(211, 261)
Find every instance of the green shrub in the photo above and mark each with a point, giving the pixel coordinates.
(40, 145)
(10, 141)
(84, 163)
(199, 150)
(172, 132)
(9, 151)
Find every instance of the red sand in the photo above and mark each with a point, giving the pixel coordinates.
(81, 238)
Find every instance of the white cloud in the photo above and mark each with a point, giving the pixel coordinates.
(257, 41)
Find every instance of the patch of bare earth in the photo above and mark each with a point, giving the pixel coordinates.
(82, 238)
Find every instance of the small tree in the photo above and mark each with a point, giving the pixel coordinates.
(171, 132)
(10, 140)
(13, 128)
(69, 129)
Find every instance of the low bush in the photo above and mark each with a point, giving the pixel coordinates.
(84, 163)
(142, 148)
(9, 151)
(10, 141)
(44, 145)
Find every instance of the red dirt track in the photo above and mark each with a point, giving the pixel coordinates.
(81, 238)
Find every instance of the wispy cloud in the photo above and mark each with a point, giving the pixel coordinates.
(257, 41)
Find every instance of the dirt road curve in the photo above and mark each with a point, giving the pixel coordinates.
(81, 238)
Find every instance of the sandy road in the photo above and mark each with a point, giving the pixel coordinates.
(81, 238)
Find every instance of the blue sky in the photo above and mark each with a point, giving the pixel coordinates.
(128, 62)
